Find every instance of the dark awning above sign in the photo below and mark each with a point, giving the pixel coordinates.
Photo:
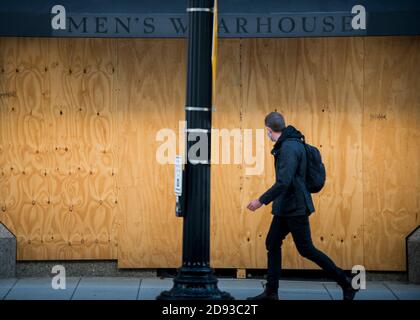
(237, 18)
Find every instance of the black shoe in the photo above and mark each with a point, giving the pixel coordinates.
(268, 294)
(348, 291)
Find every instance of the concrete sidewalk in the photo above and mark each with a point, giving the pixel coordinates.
(113, 288)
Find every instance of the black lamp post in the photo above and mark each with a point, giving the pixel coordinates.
(195, 279)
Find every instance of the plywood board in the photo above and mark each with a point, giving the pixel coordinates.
(150, 97)
(79, 120)
(391, 149)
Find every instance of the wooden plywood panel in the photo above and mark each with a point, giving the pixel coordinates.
(24, 127)
(82, 140)
(302, 82)
(339, 222)
(151, 82)
(61, 147)
(391, 149)
(79, 117)
(256, 100)
(8, 100)
(227, 214)
(305, 80)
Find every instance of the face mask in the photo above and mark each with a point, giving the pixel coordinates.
(270, 135)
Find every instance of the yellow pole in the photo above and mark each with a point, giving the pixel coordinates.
(214, 52)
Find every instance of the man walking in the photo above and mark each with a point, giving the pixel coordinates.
(292, 205)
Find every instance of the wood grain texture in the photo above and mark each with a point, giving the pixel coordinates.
(82, 133)
(305, 80)
(256, 100)
(61, 191)
(79, 120)
(391, 134)
(151, 82)
(339, 229)
(227, 214)
(24, 128)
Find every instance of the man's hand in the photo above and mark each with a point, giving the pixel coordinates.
(254, 205)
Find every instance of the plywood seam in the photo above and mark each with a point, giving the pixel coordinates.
(115, 247)
(362, 149)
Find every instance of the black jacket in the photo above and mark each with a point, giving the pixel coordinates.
(289, 194)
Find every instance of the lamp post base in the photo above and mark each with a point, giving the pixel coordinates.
(195, 284)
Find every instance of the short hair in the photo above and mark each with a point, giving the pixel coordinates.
(275, 121)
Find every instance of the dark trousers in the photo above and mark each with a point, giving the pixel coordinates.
(299, 227)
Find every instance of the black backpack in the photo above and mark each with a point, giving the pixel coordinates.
(315, 169)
